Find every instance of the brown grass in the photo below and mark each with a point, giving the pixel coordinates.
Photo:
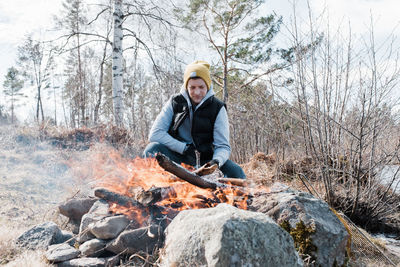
(13, 256)
(26, 198)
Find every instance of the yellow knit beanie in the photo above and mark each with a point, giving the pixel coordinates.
(200, 69)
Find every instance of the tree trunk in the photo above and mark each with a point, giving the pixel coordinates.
(117, 63)
(100, 90)
(225, 77)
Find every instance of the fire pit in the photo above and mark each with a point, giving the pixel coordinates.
(130, 215)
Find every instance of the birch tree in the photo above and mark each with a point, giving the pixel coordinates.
(12, 86)
(117, 63)
(125, 18)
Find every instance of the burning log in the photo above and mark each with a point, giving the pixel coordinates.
(117, 198)
(186, 175)
(154, 194)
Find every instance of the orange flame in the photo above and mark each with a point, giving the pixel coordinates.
(118, 174)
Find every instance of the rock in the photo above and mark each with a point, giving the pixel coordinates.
(227, 236)
(94, 247)
(61, 252)
(144, 239)
(66, 237)
(112, 261)
(40, 236)
(292, 208)
(84, 262)
(84, 231)
(101, 208)
(109, 227)
(98, 211)
(76, 208)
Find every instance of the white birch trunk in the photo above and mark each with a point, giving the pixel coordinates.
(117, 63)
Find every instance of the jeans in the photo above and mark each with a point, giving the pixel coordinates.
(229, 169)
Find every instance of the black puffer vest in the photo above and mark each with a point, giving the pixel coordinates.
(203, 122)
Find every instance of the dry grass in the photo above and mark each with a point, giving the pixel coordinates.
(36, 177)
(12, 255)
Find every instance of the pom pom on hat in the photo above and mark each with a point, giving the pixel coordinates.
(200, 69)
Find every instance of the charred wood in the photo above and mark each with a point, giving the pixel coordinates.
(186, 175)
(117, 198)
(154, 195)
(206, 169)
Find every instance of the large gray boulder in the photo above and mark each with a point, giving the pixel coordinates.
(227, 236)
(40, 236)
(288, 206)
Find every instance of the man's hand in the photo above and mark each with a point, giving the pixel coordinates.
(212, 162)
(189, 150)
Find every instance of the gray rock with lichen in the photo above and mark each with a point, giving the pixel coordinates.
(329, 235)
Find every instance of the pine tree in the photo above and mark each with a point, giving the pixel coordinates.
(12, 87)
(241, 43)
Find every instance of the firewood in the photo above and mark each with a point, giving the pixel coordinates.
(186, 175)
(154, 194)
(117, 198)
(206, 169)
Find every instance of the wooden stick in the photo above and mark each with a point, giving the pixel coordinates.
(205, 169)
(186, 175)
(155, 194)
(117, 198)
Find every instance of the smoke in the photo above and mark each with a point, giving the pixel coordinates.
(34, 175)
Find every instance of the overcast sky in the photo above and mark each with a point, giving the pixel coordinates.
(19, 17)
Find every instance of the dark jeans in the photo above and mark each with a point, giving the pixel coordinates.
(229, 169)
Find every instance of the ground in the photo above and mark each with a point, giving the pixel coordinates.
(37, 173)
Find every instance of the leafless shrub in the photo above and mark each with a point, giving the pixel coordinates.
(347, 110)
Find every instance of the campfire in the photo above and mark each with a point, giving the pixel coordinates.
(159, 188)
(135, 204)
(143, 205)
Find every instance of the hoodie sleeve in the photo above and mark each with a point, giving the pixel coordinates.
(222, 149)
(159, 130)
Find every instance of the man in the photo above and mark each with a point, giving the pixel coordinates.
(194, 121)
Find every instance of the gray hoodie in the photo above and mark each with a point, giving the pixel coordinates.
(159, 130)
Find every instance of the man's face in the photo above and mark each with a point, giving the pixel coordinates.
(197, 90)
